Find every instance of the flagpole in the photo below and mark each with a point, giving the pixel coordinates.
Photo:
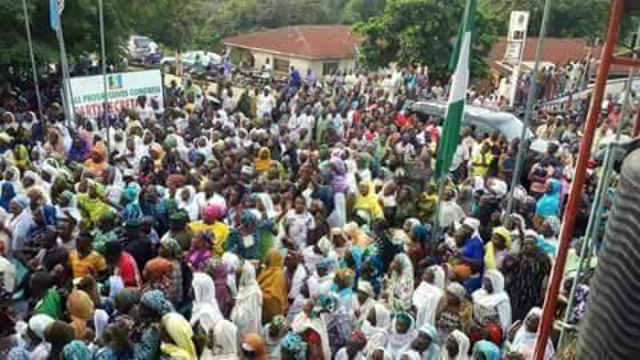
(66, 86)
(522, 148)
(34, 71)
(442, 175)
(105, 119)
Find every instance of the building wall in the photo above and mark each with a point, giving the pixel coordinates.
(260, 58)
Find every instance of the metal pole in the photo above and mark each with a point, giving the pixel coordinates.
(522, 148)
(105, 103)
(569, 218)
(66, 86)
(34, 71)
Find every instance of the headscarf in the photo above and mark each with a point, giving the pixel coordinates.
(225, 336)
(223, 295)
(205, 307)
(100, 322)
(490, 350)
(369, 203)
(489, 254)
(273, 284)
(213, 212)
(463, 346)
(433, 352)
(181, 333)
(524, 342)
(377, 335)
(247, 312)
(80, 308)
(76, 350)
(358, 237)
(172, 245)
(263, 160)
(293, 345)
(339, 182)
(8, 193)
(127, 298)
(549, 203)
(255, 343)
(402, 284)
(427, 297)
(157, 269)
(156, 301)
(38, 324)
(399, 343)
(498, 300)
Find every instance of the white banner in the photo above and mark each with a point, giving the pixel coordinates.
(123, 89)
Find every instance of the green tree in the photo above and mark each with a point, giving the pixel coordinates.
(568, 18)
(360, 10)
(406, 34)
(80, 26)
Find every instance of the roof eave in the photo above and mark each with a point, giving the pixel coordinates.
(275, 52)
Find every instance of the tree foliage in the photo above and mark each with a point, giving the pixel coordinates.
(406, 34)
(568, 18)
(80, 26)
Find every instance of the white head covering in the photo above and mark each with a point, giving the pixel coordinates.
(463, 346)
(38, 324)
(438, 276)
(498, 299)
(225, 335)
(472, 223)
(100, 322)
(205, 307)
(524, 342)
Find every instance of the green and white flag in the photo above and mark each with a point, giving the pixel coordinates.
(457, 95)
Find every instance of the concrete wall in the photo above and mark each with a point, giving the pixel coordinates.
(260, 58)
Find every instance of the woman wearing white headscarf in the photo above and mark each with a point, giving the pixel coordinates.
(401, 288)
(20, 223)
(232, 262)
(428, 297)
(491, 302)
(401, 334)
(376, 326)
(205, 307)
(247, 311)
(224, 345)
(457, 346)
(524, 342)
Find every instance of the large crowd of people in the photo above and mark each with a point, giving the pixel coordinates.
(295, 221)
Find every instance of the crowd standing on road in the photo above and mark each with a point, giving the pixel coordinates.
(297, 222)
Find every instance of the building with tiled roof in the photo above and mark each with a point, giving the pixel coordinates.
(321, 48)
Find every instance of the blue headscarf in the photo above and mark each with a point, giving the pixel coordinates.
(8, 193)
(293, 345)
(549, 203)
(486, 348)
(76, 350)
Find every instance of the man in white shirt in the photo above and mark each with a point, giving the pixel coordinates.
(265, 103)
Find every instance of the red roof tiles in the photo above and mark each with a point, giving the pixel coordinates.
(322, 42)
(556, 50)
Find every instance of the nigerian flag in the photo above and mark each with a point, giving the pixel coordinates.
(457, 95)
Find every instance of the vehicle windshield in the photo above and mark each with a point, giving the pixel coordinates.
(142, 42)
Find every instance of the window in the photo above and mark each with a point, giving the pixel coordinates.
(281, 65)
(329, 68)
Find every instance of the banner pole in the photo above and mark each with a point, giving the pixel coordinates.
(34, 70)
(105, 118)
